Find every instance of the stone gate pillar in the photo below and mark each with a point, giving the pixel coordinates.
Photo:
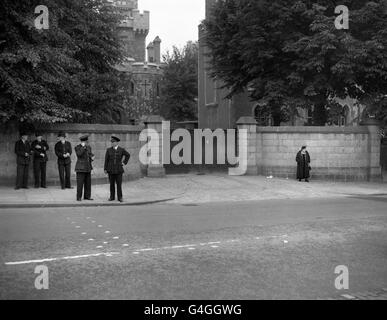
(250, 124)
(374, 148)
(156, 170)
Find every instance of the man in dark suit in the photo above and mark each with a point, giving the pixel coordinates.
(23, 156)
(39, 149)
(63, 151)
(115, 158)
(83, 168)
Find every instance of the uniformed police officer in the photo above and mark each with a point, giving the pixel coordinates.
(115, 158)
(39, 149)
(23, 153)
(83, 168)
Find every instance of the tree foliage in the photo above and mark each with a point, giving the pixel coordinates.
(290, 54)
(65, 73)
(180, 85)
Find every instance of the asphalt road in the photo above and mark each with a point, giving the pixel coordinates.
(277, 249)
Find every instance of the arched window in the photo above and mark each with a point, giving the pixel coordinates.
(157, 89)
(344, 116)
(131, 88)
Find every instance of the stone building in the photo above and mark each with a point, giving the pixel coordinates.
(144, 70)
(216, 111)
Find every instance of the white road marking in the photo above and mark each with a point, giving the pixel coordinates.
(116, 238)
(84, 233)
(105, 242)
(100, 226)
(77, 227)
(145, 250)
(180, 247)
(62, 258)
(190, 247)
(209, 243)
(107, 232)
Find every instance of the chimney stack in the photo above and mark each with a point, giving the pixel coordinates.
(157, 50)
(151, 52)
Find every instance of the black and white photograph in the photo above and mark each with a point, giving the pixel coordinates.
(206, 152)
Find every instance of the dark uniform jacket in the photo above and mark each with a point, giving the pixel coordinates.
(84, 161)
(21, 149)
(61, 149)
(38, 151)
(114, 159)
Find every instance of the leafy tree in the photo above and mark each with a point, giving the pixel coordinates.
(290, 54)
(179, 87)
(65, 73)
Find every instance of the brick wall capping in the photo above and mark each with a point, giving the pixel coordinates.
(153, 119)
(246, 120)
(305, 129)
(88, 128)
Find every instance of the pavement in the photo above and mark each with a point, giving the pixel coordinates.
(191, 189)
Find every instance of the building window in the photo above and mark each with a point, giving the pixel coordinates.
(131, 88)
(210, 89)
(309, 116)
(343, 116)
(157, 89)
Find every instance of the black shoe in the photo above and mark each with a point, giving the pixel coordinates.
(111, 199)
(63, 188)
(36, 187)
(17, 188)
(89, 199)
(25, 188)
(299, 180)
(120, 200)
(44, 187)
(79, 199)
(69, 188)
(306, 180)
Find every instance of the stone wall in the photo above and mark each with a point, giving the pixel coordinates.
(99, 141)
(337, 153)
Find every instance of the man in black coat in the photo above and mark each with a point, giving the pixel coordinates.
(303, 164)
(23, 156)
(63, 151)
(115, 158)
(83, 168)
(39, 149)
